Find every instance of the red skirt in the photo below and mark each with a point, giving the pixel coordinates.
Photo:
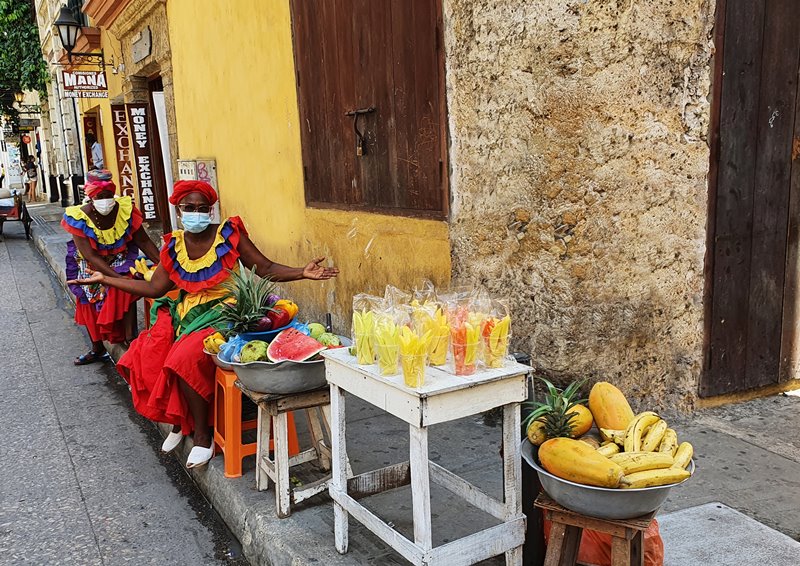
(155, 362)
(106, 323)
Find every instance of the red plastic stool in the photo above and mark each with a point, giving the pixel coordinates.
(228, 425)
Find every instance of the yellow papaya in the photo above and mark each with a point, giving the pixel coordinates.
(609, 407)
(576, 461)
(582, 422)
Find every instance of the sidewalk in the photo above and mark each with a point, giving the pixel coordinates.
(748, 471)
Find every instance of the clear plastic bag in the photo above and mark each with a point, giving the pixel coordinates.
(496, 334)
(465, 322)
(363, 327)
(388, 324)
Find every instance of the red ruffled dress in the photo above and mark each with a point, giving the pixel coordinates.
(172, 348)
(102, 309)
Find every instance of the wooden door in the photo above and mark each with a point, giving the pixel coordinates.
(383, 55)
(751, 186)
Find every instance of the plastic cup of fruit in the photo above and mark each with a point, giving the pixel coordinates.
(460, 350)
(388, 358)
(437, 353)
(365, 351)
(413, 369)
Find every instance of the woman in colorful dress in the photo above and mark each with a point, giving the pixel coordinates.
(107, 235)
(171, 379)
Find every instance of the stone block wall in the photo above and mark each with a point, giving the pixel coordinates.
(579, 158)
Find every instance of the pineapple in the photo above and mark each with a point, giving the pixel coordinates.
(554, 417)
(250, 302)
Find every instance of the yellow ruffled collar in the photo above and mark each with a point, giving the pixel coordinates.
(206, 260)
(111, 235)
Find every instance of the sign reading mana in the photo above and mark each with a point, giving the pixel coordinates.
(85, 84)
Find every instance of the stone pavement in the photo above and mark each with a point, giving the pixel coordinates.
(81, 479)
(747, 458)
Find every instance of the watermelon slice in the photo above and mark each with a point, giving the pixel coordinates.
(293, 345)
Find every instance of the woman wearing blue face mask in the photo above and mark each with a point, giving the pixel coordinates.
(171, 379)
(106, 234)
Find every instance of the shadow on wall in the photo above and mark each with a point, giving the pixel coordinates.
(631, 340)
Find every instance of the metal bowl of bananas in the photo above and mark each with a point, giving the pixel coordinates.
(601, 502)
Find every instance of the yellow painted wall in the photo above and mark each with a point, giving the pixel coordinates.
(236, 102)
(102, 106)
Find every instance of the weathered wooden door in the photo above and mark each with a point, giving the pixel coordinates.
(754, 187)
(382, 58)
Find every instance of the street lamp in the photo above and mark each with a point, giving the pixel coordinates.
(19, 96)
(68, 28)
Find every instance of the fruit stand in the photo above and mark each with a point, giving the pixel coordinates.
(611, 481)
(442, 397)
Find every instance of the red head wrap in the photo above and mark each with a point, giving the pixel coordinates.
(183, 188)
(94, 188)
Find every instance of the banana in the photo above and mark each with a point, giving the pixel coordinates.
(683, 456)
(652, 439)
(632, 462)
(609, 450)
(669, 443)
(615, 436)
(636, 429)
(652, 478)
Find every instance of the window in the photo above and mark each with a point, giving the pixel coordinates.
(382, 57)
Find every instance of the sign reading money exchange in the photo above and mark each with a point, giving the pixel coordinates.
(142, 137)
(85, 84)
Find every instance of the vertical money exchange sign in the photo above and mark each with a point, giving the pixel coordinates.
(122, 149)
(141, 135)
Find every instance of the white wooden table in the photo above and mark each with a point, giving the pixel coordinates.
(443, 398)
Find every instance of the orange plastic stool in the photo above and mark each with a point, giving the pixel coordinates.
(228, 425)
(148, 304)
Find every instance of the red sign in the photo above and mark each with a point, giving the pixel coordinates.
(26, 139)
(85, 84)
(141, 135)
(122, 149)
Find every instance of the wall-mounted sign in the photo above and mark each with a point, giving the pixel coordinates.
(200, 170)
(26, 139)
(187, 169)
(141, 136)
(207, 171)
(122, 149)
(85, 84)
(142, 44)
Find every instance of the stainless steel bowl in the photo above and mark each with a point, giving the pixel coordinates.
(281, 378)
(600, 502)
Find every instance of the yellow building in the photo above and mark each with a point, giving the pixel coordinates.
(236, 101)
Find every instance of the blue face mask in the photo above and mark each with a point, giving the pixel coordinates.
(195, 222)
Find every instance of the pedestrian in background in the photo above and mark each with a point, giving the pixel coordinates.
(2, 175)
(107, 234)
(31, 173)
(97, 151)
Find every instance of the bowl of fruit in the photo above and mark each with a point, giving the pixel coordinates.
(625, 471)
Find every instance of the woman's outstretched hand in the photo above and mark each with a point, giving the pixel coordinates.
(318, 272)
(95, 277)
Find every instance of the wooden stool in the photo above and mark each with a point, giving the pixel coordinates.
(272, 417)
(627, 536)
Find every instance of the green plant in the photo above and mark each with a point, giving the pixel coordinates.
(22, 66)
(557, 409)
(250, 294)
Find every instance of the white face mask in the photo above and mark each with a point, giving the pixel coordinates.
(104, 205)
